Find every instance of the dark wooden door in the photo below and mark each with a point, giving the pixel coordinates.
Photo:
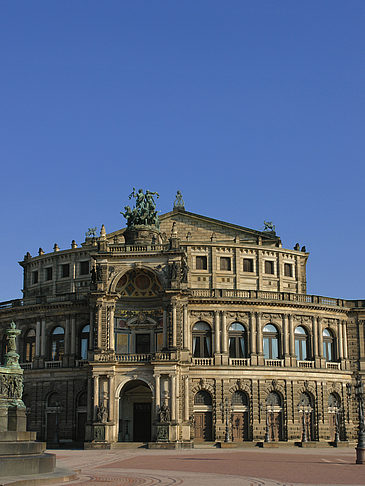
(81, 422)
(239, 426)
(274, 426)
(141, 422)
(203, 426)
(52, 432)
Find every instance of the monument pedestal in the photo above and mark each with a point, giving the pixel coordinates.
(20, 454)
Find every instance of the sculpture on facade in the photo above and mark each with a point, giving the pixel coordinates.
(179, 201)
(269, 226)
(144, 213)
(164, 413)
(101, 414)
(91, 232)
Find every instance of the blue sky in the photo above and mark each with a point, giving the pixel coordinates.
(254, 110)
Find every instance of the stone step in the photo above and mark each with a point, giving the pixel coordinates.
(129, 445)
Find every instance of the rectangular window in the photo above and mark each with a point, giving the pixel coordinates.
(247, 265)
(288, 269)
(48, 273)
(225, 263)
(65, 270)
(201, 263)
(269, 267)
(142, 343)
(84, 268)
(35, 277)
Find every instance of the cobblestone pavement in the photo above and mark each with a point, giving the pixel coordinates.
(214, 467)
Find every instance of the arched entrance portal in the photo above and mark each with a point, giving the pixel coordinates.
(135, 409)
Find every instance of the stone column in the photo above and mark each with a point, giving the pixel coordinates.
(91, 332)
(320, 338)
(89, 399)
(38, 339)
(286, 352)
(99, 323)
(315, 337)
(73, 335)
(344, 336)
(111, 397)
(259, 339)
(96, 394)
(43, 339)
(173, 397)
(340, 340)
(224, 333)
(157, 392)
(164, 329)
(111, 328)
(291, 337)
(217, 347)
(253, 338)
(259, 345)
(67, 336)
(186, 404)
(174, 326)
(186, 328)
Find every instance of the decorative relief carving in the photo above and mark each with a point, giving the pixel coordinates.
(272, 317)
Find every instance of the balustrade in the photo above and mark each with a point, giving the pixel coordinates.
(52, 364)
(203, 361)
(332, 366)
(305, 364)
(276, 363)
(239, 361)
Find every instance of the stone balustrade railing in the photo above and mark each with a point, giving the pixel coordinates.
(267, 295)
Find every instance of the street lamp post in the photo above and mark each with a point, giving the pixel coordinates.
(338, 415)
(359, 396)
(225, 410)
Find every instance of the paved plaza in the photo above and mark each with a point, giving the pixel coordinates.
(213, 467)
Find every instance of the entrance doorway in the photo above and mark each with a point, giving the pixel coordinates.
(203, 416)
(240, 423)
(141, 422)
(274, 419)
(135, 412)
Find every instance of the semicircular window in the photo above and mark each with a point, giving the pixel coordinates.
(139, 283)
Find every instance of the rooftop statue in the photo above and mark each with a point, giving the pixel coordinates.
(269, 226)
(91, 232)
(144, 213)
(179, 201)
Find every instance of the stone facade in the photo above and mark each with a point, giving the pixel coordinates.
(204, 333)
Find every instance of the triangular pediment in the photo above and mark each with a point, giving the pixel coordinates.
(203, 228)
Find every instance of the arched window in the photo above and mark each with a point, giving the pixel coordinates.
(202, 340)
(57, 343)
(84, 341)
(237, 341)
(334, 401)
(273, 399)
(271, 342)
(203, 398)
(53, 400)
(239, 398)
(301, 343)
(328, 345)
(29, 346)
